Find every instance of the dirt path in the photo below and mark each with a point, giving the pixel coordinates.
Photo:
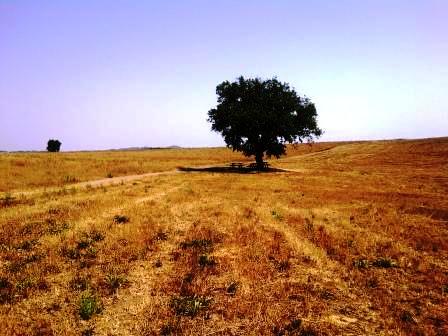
(96, 183)
(127, 178)
(121, 179)
(106, 181)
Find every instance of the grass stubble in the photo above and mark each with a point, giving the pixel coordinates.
(351, 241)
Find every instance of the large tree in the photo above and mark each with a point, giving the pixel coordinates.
(53, 145)
(259, 117)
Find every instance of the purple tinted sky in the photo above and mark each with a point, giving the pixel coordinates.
(109, 74)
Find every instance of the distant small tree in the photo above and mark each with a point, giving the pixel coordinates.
(53, 145)
(258, 117)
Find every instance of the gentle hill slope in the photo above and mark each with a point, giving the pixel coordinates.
(351, 241)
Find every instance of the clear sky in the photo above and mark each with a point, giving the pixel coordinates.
(111, 74)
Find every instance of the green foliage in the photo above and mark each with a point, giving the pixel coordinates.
(53, 145)
(259, 117)
(89, 304)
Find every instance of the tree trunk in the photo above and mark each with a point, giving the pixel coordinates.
(259, 160)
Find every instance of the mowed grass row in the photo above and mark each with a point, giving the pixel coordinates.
(354, 250)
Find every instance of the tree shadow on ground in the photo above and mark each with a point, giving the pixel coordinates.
(234, 170)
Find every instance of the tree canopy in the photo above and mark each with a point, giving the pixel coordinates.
(53, 145)
(259, 117)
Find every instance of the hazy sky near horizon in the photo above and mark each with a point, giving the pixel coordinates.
(112, 74)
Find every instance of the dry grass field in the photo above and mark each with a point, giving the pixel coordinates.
(29, 170)
(22, 171)
(351, 240)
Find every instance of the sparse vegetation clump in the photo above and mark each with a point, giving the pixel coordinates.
(379, 262)
(6, 291)
(114, 281)
(189, 305)
(89, 304)
(7, 200)
(80, 283)
(121, 219)
(200, 244)
(205, 260)
(55, 228)
(161, 236)
(232, 288)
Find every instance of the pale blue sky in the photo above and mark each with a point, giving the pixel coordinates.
(110, 74)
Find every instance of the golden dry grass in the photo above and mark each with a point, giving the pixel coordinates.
(42, 169)
(351, 241)
(21, 170)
